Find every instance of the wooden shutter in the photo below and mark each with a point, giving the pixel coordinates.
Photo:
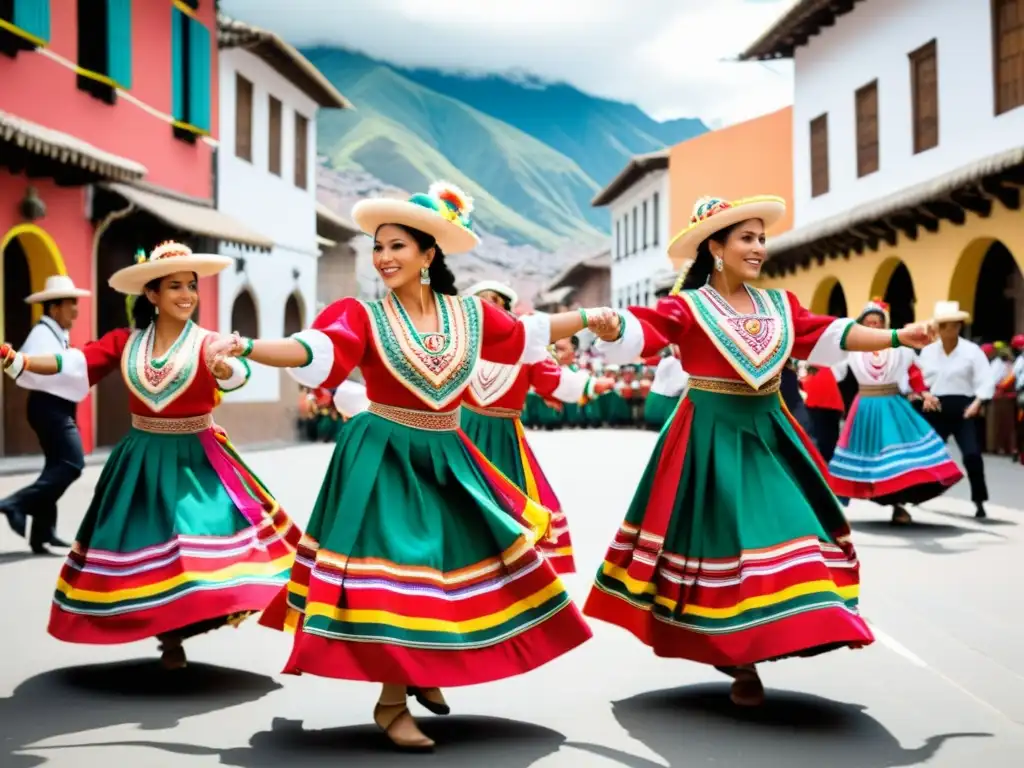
(243, 118)
(645, 226)
(179, 69)
(656, 223)
(819, 155)
(924, 87)
(867, 129)
(301, 152)
(618, 241)
(274, 161)
(200, 71)
(33, 18)
(1008, 53)
(119, 42)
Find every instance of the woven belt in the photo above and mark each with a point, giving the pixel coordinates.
(187, 426)
(498, 413)
(434, 421)
(879, 390)
(734, 387)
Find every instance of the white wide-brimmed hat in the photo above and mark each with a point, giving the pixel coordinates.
(443, 213)
(711, 214)
(166, 259)
(499, 288)
(57, 287)
(950, 312)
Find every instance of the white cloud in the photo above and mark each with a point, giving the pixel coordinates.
(669, 57)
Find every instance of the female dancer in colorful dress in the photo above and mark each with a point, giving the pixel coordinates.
(181, 537)
(415, 570)
(491, 419)
(887, 453)
(734, 550)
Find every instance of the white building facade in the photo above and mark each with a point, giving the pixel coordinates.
(638, 201)
(266, 178)
(925, 74)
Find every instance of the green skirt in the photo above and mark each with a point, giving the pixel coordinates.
(734, 549)
(658, 409)
(418, 566)
(180, 538)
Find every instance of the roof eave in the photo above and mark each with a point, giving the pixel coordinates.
(635, 170)
(794, 29)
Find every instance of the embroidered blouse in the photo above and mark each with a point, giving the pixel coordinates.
(494, 385)
(718, 342)
(874, 369)
(176, 385)
(408, 369)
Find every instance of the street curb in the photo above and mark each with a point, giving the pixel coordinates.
(27, 465)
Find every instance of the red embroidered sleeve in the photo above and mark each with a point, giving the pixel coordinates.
(663, 325)
(545, 377)
(504, 336)
(104, 355)
(808, 329)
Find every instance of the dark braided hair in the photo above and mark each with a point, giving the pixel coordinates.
(442, 279)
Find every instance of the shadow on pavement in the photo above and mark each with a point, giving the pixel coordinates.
(140, 692)
(16, 557)
(462, 742)
(699, 726)
(927, 538)
(992, 521)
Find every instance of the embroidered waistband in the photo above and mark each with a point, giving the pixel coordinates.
(443, 421)
(734, 386)
(878, 390)
(498, 413)
(186, 426)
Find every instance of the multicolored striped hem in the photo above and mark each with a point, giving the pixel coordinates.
(419, 625)
(790, 599)
(105, 597)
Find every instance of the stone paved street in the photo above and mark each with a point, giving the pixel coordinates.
(942, 687)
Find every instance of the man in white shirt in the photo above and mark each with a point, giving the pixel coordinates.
(51, 414)
(957, 372)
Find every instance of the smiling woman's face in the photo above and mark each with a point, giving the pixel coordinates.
(743, 252)
(177, 297)
(397, 257)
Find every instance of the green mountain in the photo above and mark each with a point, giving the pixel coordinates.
(532, 177)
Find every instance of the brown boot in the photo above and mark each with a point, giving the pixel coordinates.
(747, 689)
(396, 721)
(172, 654)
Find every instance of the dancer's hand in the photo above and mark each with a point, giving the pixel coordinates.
(604, 323)
(931, 402)
(972, 410)
(917, 335)
(217, 350)
(13, 363)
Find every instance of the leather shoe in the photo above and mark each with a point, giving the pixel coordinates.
(17, 521)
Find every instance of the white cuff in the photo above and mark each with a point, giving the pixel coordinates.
(538, 337)
(626, 349)
(571, 386)
(350, 399)
(321, 353)
(17, 366)
(240, 372)
(826, 351)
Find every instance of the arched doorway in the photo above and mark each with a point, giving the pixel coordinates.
(837, 302)
(893, 283)
(829, 298)
(988, 283)
(294, 315)
(29, 256)
(244, 317)
(996, 295)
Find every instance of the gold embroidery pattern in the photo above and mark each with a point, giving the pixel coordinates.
(734, 386)
(433, 421)
(186, 426)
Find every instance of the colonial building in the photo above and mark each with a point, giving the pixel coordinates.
(266, 177)
(108, 123)
(587, 283)
(336, 274)
(908, 147)
(638, 201)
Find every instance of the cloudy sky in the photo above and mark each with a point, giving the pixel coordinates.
(670, 57)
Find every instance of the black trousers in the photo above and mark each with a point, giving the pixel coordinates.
(950, 422)
(53, 420)
(825, 425)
